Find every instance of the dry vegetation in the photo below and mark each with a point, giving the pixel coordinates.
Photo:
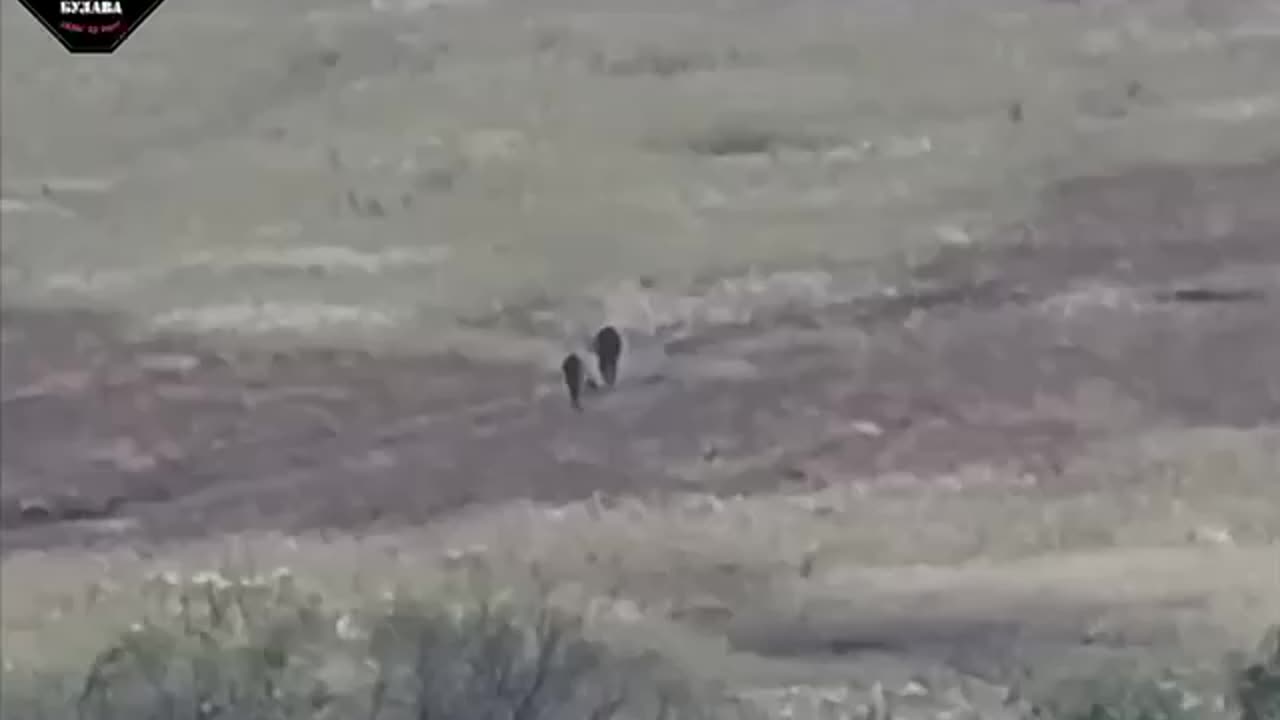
(952, 391)
(817, 601)
(349, 179)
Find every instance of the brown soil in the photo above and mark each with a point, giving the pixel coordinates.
(1150, 297)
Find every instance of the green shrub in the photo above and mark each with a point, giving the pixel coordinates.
(1256, 685)
(261, 649)
(498, 660)
(221, 647)
(1119, 696)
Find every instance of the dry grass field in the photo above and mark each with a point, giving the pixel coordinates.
(951, 382)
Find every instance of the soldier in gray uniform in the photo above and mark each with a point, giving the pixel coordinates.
(607, 345)
(574, 376)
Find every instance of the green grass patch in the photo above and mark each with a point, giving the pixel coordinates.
(218, 646)
(1251, 692)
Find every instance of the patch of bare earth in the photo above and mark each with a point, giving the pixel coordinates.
(1145, 298)
(1131, 303)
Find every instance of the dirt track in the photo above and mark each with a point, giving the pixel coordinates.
(1146, 298)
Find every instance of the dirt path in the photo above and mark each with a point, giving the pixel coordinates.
(1148, 298)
